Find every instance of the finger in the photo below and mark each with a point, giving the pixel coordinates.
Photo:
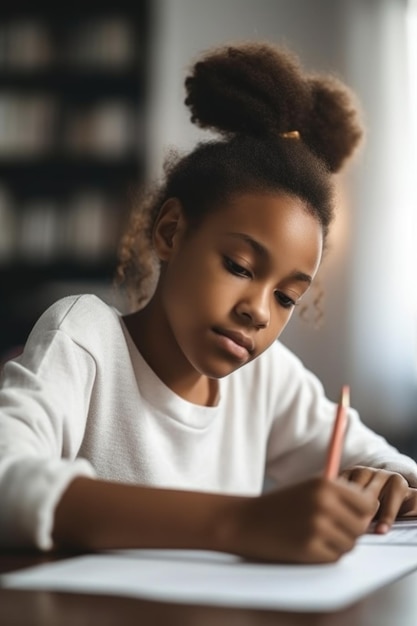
(360, 502)
(378, 479)
(391, 499)
(327, 543)
(359, 475)
(340, 539)
(320, 551)
(351, 510)
(353, 524)
(409, 505)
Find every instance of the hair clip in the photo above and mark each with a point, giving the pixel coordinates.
(291, 134)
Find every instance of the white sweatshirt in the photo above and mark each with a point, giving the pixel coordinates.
(81, 400)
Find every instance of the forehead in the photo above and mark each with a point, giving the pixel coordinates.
(255, 207)
(281, 223)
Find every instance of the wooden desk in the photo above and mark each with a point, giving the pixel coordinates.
(393, 605)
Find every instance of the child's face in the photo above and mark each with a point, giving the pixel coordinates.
(229, 286)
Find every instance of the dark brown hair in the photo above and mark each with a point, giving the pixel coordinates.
(254, 95)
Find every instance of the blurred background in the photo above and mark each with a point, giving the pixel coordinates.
(91, 100)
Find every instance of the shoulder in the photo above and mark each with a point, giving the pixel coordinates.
(67, 310)
(77, 332)
(80, 317)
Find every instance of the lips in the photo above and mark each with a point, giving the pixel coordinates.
(238, 338)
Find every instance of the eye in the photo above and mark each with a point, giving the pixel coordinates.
(285, 301)
(235, 268)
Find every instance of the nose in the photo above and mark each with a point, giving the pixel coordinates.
(254, 308)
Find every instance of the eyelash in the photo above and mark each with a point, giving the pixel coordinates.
(234, 268)
(284, 301)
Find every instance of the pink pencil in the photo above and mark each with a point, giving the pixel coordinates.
(335, 448)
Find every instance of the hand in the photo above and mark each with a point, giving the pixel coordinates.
(396, 497)
(316, 521)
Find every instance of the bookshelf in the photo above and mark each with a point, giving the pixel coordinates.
(72, 102)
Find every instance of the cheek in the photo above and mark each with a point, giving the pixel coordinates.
(194, 274)
(187, 289)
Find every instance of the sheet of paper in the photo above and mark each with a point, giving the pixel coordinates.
(222, 579)
(403, 532)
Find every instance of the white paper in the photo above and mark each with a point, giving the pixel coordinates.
(403, 532)
(220, 579)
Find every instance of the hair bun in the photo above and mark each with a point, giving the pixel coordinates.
(250, 89)
(260, 89)
(334, 129)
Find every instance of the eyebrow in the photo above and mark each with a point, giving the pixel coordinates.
(262, 251)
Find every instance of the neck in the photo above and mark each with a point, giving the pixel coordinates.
(153, 338)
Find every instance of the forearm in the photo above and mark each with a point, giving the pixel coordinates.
(95, 514)
(315, 521)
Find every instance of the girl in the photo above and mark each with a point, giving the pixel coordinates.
(156, 428)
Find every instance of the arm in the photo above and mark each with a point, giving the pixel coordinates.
(42, 422)
(300, 433)
(314, 521)
(301, 422)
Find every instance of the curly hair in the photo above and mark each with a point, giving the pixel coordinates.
(254, 96)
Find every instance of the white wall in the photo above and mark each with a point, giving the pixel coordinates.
(365, 338)
(382, 324)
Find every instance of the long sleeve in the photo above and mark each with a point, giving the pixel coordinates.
(81, 400)
(43, 408)
(301, 431)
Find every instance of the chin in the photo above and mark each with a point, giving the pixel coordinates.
(221, 371)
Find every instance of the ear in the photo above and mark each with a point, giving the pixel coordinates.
(168, 229)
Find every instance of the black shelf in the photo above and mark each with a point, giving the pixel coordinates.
(84, 84)
(57, 174)
(21, 275)
(81, 159)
